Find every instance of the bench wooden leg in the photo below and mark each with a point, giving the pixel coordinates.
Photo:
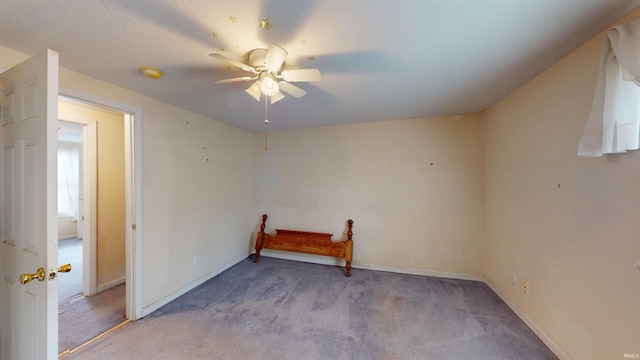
(260, 239)
(348, 249)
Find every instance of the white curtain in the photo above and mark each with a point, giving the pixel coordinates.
(614, 121)
(68, 182)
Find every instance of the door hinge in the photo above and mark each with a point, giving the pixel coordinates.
(133, 226)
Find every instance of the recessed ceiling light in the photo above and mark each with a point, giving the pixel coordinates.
(151, 72)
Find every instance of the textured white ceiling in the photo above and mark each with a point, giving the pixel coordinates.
(380, 59)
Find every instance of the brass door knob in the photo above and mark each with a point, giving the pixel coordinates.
(65, 268)
(26, 278)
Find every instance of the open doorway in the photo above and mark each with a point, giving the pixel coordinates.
(97, 239)
(70, 249)
(92, 295)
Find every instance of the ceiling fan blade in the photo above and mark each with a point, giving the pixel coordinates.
(275, 57)
(238, 79)
(235, 63)
(301, 75)
(291, 89)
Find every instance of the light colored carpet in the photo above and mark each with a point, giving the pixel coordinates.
(281, 309)
(70, 284)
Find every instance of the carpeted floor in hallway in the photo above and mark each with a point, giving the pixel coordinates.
(82, 318)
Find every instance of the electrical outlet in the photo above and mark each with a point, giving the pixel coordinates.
(196, 260)
(525, 287)
(513, 279)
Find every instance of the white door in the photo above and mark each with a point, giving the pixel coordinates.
(28, 215)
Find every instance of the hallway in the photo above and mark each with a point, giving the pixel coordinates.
(82, 318)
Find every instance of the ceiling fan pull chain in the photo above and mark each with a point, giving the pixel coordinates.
(265, 139)
(266, 123)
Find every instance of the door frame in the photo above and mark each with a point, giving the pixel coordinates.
(90, 207)
(133, 194)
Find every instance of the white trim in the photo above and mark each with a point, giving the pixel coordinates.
(169, 298)
(133, 213)
(97, 101)
(326, 260)
(90, 208)
(136, 243)
(111, 284)
(314, 259)
(422, 272)
(532, 325)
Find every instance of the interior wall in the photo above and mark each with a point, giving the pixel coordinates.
(110, 192)
(67, 227)
(196, 187)
(566, 224)
(414, 189)
(197, 197)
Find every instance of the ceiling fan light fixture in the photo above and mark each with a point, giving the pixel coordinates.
(269, 86)
(254, 90)
(276, 97)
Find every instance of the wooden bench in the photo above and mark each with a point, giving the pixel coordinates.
(306, 242)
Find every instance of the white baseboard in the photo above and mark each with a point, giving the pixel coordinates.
(111, 284)
(325, 260)
(532, 325)
(146, 310)
(68, 236)
(410, 271)
(314, 259)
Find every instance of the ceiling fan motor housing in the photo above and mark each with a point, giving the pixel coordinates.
(270, 59)
(257, 58)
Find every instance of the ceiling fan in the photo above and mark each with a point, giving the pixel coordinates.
(270, 78)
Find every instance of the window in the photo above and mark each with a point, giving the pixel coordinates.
(614, 122)
(68, 181)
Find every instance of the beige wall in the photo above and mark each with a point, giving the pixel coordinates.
(196, 187)
(197, 197)
(414, 189)
(111, 192)
(67, 227)
(568, 225)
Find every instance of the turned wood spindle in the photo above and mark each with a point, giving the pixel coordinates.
(348, 248)
(260, 239)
